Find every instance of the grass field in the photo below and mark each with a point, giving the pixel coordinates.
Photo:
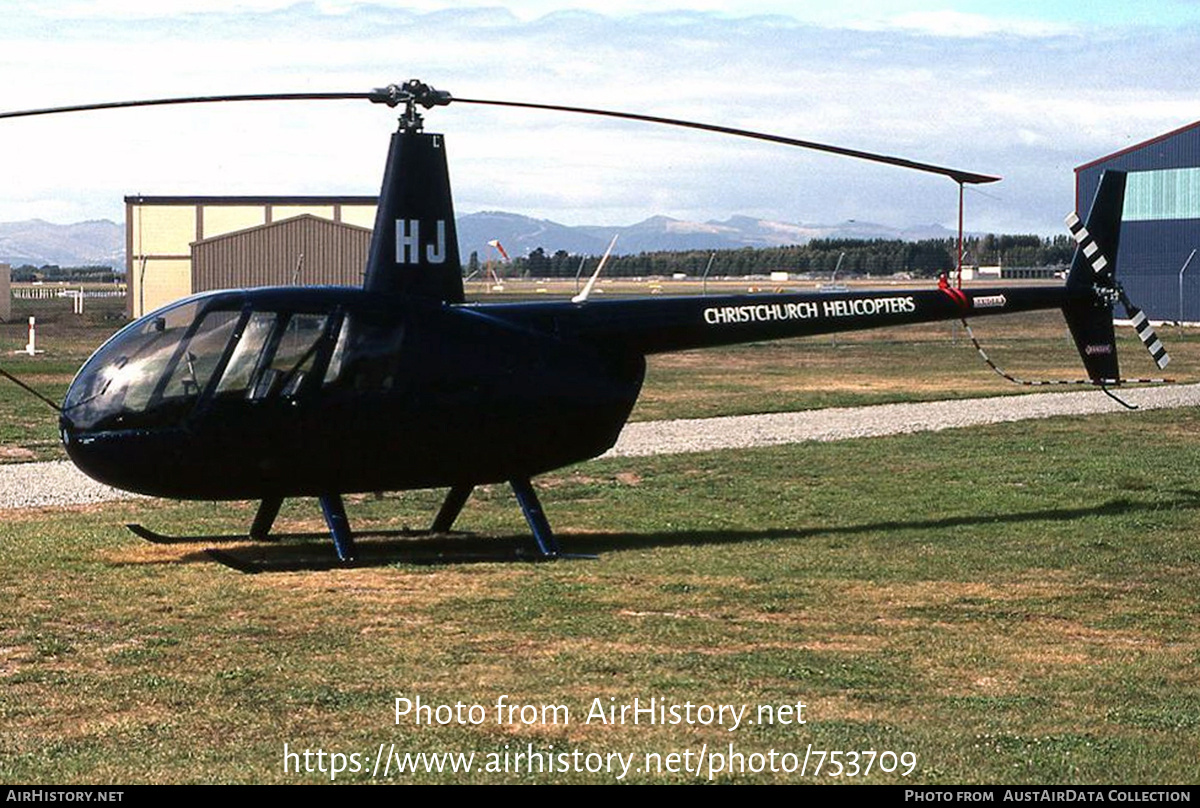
(1010, 604)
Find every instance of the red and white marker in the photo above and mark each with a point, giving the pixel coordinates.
(31, 346)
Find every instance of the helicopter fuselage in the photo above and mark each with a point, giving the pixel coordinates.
(298, 392)
(287, 392)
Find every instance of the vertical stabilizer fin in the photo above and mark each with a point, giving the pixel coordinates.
(1095, 261)
(1094, 269)
(1095, 266)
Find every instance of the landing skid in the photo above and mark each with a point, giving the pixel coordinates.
(369, 555)
(343, 537)
(535, 517)
(143, 532)
(531, 507)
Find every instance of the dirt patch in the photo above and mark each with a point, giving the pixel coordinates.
(928, 593)
(992, 638)
(687, 615)
(148, 553)
(13, 658)
(370, 589)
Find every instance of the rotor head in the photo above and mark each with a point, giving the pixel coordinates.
(411, 94)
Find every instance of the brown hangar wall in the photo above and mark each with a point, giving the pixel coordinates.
(327, 253)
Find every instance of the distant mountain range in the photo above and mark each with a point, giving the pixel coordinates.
(38, 243)
(102, 242)
(522, 234)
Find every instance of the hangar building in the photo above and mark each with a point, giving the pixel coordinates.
(178, 245)
(1161, 223)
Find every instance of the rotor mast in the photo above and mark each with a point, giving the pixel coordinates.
(411, 94)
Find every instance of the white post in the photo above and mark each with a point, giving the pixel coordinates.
(31, 346)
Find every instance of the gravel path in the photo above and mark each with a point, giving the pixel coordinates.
(43, 485)
(842, 423)
(37, 485)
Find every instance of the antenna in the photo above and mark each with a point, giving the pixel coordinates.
(299, 266)
(587, 289)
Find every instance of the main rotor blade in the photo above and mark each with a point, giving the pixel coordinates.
(200, 99)
(966, 177)
(415, 92)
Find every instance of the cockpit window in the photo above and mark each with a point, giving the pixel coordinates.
(154, 372)
(200, 356)
(367, 355)
(123, 377)
(247, 353)
(339, 351)
(293, 357)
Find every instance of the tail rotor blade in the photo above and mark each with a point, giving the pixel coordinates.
(1084, 239)
(1146, 333)
(1138, 317)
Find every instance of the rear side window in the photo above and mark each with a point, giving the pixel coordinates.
(367, 355)
(274, 356)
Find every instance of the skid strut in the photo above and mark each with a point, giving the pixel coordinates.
(339, 525)
(532, 509)
(451, 508)
(265, 518)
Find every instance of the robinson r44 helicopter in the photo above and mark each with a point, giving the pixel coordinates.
(265, 394)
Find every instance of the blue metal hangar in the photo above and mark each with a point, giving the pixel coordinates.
(1159, 258)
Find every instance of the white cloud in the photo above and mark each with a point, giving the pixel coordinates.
(1007, 99)
(523, 9)
(950, 23)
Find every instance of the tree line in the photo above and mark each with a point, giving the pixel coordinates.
(925, 258)
(52, 273)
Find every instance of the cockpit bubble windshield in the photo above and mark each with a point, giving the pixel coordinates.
(152, 372)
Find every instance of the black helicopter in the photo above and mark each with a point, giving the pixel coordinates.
(264, 394)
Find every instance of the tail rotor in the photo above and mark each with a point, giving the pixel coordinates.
(1098, 239)
(1145, 331)
(1093, 291)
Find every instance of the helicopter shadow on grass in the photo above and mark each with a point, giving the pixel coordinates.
(312, 552)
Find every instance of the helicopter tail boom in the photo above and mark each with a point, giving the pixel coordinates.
(660, 325)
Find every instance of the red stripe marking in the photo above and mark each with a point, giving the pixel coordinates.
(959, 298)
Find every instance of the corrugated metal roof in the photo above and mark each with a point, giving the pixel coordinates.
(139, 199)
(1137, 146)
